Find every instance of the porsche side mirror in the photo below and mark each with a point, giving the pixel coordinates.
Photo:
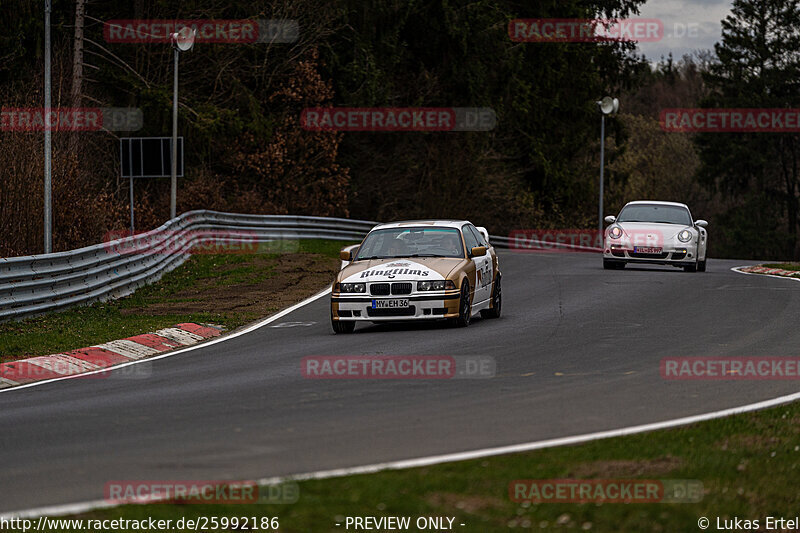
(346, 255)
(610, 219)
(702, 223)
(478, 251)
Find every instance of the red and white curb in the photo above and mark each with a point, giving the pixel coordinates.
(103, 356)
(769, 271)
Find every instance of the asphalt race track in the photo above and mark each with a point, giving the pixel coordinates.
(577, 351)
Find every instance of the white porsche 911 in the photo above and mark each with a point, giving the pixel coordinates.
(662, 233)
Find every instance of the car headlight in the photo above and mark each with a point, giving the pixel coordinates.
(615, 232)
(435, 285)
(685, 236)
(351, 287)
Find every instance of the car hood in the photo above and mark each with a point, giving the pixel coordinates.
(657, 230)
(413, 269)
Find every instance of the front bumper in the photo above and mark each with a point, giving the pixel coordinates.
(682, 254)
(426, 306)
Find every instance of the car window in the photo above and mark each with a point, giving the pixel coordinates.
(668, 214)
(478, 235)
(411, 242)
(469, 238)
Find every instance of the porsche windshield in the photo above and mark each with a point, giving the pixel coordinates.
(666, 214)
(411, 242)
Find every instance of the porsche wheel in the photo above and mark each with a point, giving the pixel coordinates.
(497, 302)
(701, 265)
(691, 268)
(464, 307)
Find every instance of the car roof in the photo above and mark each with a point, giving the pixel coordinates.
(656, 202)
(441, 223)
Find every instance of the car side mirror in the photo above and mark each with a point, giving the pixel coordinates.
(702, 223)
(478, 251)
(610, 219)
(346, 255)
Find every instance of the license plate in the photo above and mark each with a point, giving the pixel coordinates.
(395, 303)
(646, 250)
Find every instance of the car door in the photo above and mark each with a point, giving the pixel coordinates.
(483, 264)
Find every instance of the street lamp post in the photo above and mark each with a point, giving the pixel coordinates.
(182, 41)
(48, 162)
(607, 106)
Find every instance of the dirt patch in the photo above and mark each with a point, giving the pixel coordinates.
(623, 468)
(463, 502)
(291, 278)
(748, 442)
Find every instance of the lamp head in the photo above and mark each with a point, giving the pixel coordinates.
(184, 38)
(608, 105)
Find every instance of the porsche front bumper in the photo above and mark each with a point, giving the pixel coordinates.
(681, 254)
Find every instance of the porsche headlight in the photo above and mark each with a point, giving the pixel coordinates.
(685, 236)
(615, 232)
(351, 287)
(435, 285)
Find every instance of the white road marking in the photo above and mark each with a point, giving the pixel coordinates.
(62, 364)
(737, 270)
(294, 324)
(130, 349)
(82, 507)
(181, 336)
(9, 381)
(215, 340)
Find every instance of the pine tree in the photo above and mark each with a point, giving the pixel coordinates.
(758, 66)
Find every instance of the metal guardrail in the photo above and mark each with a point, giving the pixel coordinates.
(31, 285)
(36, 284)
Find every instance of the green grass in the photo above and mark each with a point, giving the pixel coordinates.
(106, 321)
(748, 465)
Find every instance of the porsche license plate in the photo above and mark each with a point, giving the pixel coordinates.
(647, 250)
(394, 303)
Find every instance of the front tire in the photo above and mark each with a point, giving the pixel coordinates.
(464, 307)
(497, 302)
(690, 268)
(342, 327)
(701, 265)
(610, 264)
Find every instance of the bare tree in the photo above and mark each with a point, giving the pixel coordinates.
(77, 67)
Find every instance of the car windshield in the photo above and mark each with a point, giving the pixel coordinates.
(667, 214)
(411, 242)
